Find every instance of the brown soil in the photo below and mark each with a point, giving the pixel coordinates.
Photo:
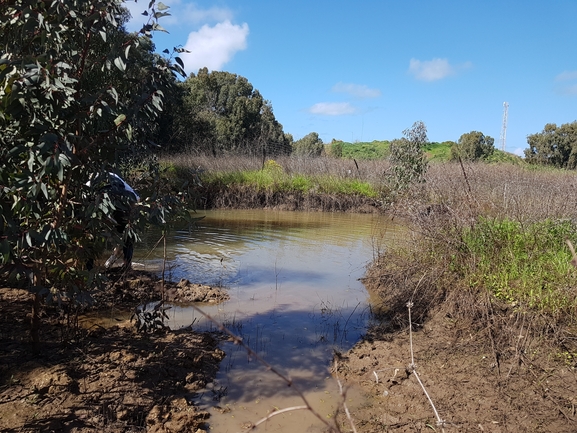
(105, 379)
(246, 197)
(475, 381)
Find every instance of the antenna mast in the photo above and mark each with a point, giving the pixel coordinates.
(503, 140)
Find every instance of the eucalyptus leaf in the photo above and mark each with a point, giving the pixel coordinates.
(119, 63)
(121, 118)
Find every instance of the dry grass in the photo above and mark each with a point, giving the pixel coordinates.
(490, 240)
(521, 193)
(495, 190)
(286, 183)
(369, 171)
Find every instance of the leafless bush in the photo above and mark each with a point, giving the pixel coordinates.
(398, 279)
(501, 190)
(454, 197)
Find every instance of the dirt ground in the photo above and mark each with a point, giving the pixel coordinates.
(95, 378)
(98, 378)
(473, 388)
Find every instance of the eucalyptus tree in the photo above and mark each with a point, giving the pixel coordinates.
(77, 93)
(407, 157)
(555, 145)
(310, 145)
(222, 112)
(473, 146)
(336, 148)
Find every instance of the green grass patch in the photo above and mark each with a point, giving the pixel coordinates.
(276, 180)
(438, 152)
(522, 264)
(366, 150)
(499, 156)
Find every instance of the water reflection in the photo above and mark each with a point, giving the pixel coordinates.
(295, 298)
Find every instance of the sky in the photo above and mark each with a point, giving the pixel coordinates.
(365, 70)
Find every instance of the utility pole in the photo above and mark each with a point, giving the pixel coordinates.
(503, 140)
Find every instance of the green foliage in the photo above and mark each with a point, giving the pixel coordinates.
(350, 187)
(373, 150)
(310, 145)
(521, 264)
(438, 152)
(434, 152)
(498, 156)
(79, 97)
(221, 112)
(274, 179)
(473, 146)
(555, 146)
(335, 149)
(408, 160)
(273, 167)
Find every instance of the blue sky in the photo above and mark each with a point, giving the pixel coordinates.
(368, 69)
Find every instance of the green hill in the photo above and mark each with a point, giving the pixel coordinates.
(365, 150)
(436, 152)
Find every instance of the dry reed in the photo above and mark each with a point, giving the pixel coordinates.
(503, 191)
(452, 201)
(369, 171)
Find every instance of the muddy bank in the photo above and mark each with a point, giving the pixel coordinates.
(127, 290)
(504, 377)
(246, 197)
(105, 379)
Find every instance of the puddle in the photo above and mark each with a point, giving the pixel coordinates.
(296, 298)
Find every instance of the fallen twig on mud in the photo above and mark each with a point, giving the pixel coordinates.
(395, 369)
(277, 412)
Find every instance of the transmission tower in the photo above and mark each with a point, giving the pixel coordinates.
(503, 140)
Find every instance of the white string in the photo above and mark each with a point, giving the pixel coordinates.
(413, 368)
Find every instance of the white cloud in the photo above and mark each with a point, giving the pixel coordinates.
(356, 90)
(569, 90)
(213, 47)
(569, 86)
(190, 13)
(566, 76)
(433, 70)
(332, 108)
(519, 151)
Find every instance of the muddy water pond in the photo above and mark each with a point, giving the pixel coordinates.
(295, 300)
